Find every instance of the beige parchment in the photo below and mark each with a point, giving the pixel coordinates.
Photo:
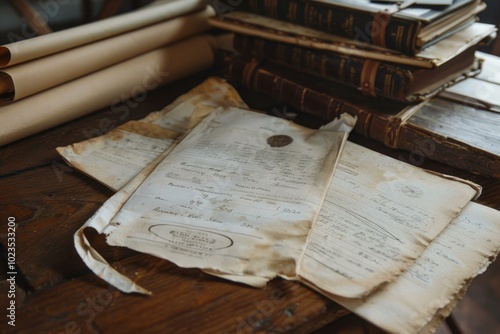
(22, 80)
(378, 217)
(40, 46)
(212, 211)
(427, 292)
(105, 87)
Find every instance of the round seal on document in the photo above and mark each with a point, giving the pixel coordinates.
(279, 140)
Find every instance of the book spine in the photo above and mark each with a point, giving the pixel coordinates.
(379, 29)
(371, 77)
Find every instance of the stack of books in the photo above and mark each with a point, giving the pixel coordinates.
(384, 62)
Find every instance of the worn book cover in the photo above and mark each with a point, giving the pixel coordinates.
(371, 77)
(406, 27)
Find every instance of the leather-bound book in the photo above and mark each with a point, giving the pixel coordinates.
(406, 27)
(374, 78)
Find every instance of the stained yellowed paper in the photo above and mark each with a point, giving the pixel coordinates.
(410, 304)
(38, 75)
(204, 206)
(90, 256)
(134, 77)
(116, 157)
(93, 156)
(378, 217)
(40, 46)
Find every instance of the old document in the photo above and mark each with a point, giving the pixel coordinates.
(379, 215)
(433, 283)
(238, 195)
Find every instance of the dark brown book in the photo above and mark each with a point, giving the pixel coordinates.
(371, 77)
(449, 132)
(404, 27)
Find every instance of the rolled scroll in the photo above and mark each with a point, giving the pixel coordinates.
(20, 81)
(79, 97)
(22, 51)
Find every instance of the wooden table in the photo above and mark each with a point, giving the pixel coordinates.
(57, 293)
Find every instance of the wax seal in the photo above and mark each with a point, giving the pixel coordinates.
(279, 140)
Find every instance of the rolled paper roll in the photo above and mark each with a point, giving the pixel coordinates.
(25, 50)
(106, 87)
(28, 78)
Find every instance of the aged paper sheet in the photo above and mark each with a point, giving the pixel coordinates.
(464, 250)
(101, 157)
(116, 157)
(105, 87)
(40, 46)
(237, 196)
(38, 75)
(475, 92)
(378, 217)
(239, 178)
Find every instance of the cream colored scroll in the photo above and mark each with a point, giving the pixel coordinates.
(133, 77)
(22, 51)
(38, 75)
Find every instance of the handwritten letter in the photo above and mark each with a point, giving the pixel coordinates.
(436, 281)
(378, 216)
